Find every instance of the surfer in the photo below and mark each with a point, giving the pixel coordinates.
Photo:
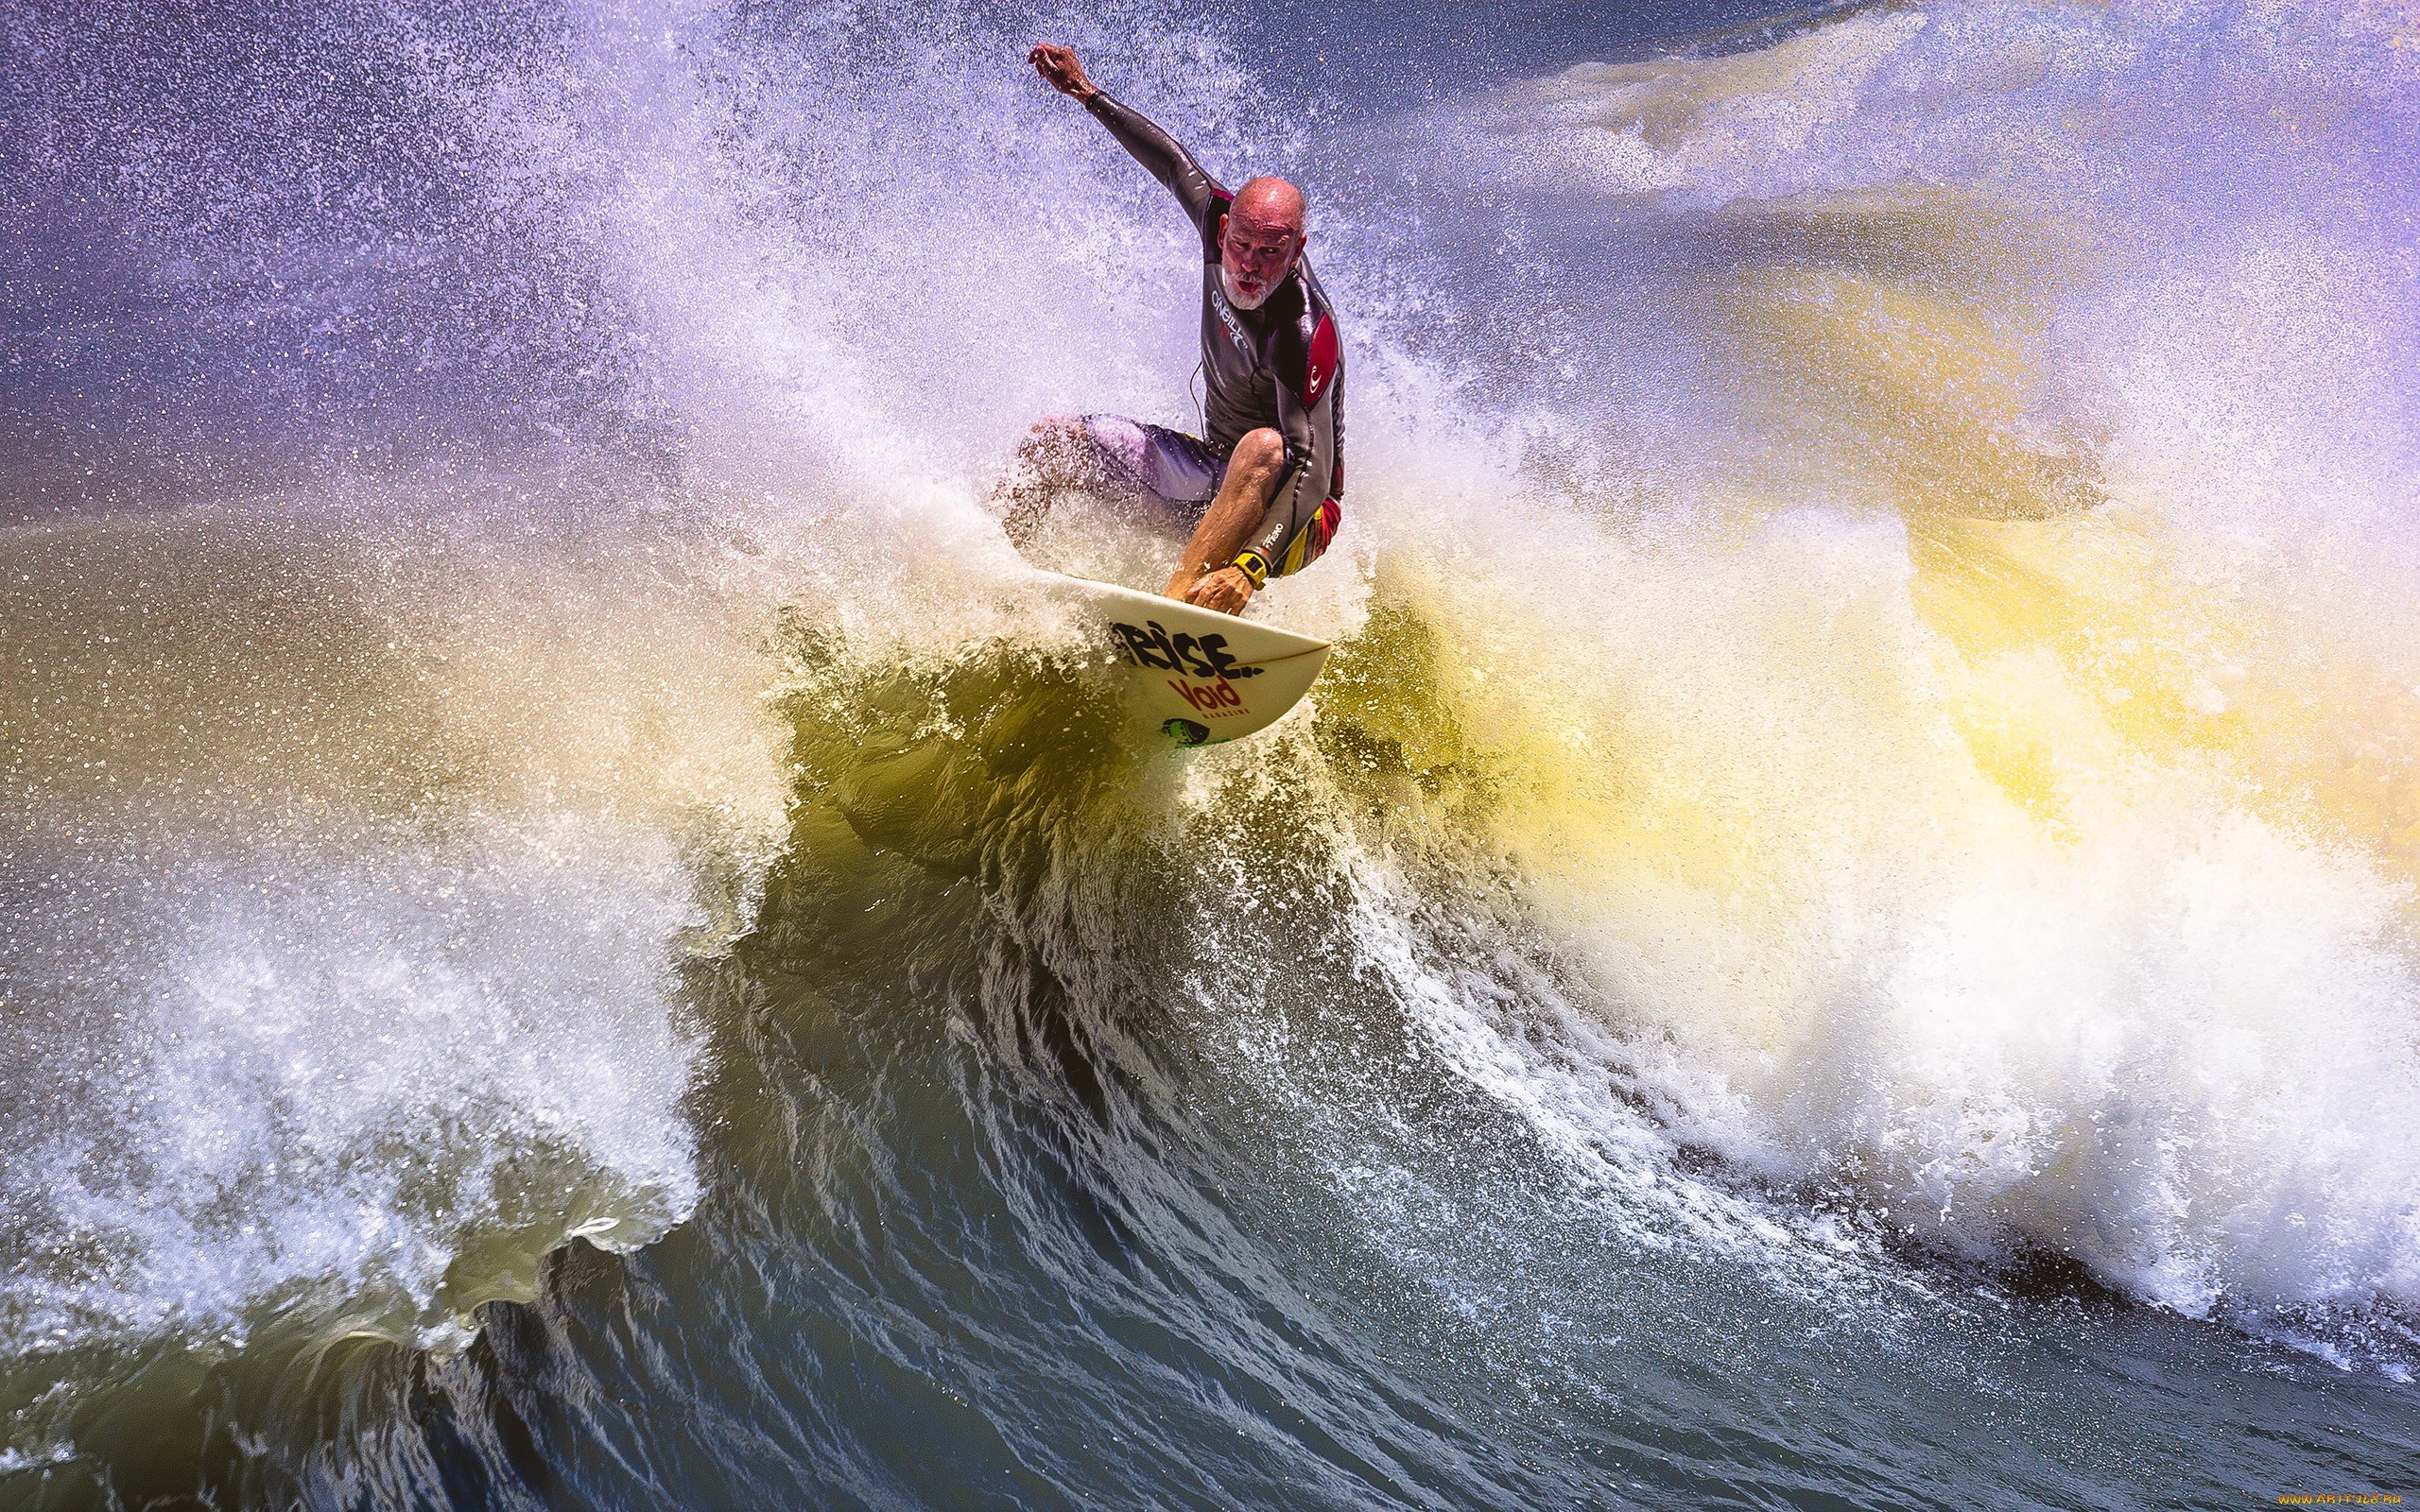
(1262, 486)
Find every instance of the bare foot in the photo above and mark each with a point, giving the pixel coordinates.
(1053, 458)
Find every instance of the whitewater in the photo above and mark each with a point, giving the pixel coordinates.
(1843, 929)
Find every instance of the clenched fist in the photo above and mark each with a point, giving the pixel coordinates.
(1059, 66)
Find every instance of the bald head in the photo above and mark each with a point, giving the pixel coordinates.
(1271, 205)
(1260, 239)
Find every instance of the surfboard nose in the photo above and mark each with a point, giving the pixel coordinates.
(1187, 669)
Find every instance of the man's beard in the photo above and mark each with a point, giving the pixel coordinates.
(1227, 282)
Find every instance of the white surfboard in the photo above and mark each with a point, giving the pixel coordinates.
(1194, 674)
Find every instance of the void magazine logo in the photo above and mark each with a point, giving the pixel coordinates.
(1218, 702)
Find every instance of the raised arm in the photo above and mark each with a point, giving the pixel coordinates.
(1150, 146)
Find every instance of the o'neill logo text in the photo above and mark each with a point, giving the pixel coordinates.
(1235, 327)
(1205, 657)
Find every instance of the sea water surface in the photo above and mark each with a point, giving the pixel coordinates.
(1841, 932)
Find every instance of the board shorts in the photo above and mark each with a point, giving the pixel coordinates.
(1176, 476)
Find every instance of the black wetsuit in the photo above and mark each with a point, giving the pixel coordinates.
(1281, 366)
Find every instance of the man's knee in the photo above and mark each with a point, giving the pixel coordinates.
(1260, 453)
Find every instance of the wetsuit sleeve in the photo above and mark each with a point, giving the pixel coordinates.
(1307, 416)
(1158, 151)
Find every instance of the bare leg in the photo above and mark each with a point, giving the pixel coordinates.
(1243, 498)
(1054, 456)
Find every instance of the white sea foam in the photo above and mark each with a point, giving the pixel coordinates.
(345, 1062)
(365, 826)
(355, 869)
(1997, 803)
